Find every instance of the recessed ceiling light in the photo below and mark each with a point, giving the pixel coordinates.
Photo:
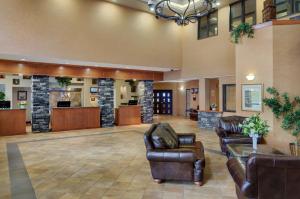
(218, 4)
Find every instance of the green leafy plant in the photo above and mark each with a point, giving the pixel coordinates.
(63, 81)
(241, 30)
(2, 96)
(256, 125)
(283, 107)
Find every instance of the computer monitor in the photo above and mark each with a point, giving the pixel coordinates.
(132, 102)
(4, 104)
(63, 104)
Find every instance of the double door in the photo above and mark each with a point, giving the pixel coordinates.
(162, 101)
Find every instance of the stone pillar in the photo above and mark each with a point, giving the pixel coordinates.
(106, 101)
(145, 91)
(40, 104)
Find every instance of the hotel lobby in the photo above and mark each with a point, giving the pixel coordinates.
(149, 99)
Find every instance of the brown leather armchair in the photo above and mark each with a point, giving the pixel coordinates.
(186, 162)
(229, 132)
(266, 177)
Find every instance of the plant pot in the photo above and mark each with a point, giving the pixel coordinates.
(254, 137)
(294, 147)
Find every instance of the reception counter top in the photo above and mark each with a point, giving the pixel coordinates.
(12, 122)
(128, 115)
(74, 118)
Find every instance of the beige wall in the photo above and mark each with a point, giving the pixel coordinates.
(212, 56)
(273, 57)
(286, 73)
(88, 30)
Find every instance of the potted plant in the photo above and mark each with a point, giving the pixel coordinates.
(289, 111)
(64, 82)
(213, 107)
(254, 127)
(2, 96)
(241, 30)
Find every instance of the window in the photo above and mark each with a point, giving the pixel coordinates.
(229, 98)
(297, 6)
(242, 12)
(282, 8)
(208, 25)
(286, 7)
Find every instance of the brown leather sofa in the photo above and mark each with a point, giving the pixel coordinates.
(186, 162)
(266, 177)
(229, 132)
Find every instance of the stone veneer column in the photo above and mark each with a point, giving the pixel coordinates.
(106, 101)
(40, 104)
(145, 90)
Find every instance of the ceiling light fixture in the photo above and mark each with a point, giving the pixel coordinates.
(182, 14)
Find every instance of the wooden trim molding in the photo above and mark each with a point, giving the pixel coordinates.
(285, 22)
(33, 68)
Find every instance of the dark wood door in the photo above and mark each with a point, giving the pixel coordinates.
(163, 102)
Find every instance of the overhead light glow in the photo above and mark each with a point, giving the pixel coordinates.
(250, 77)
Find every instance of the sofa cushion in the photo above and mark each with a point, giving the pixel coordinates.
(231, 124)
(163, 139)
(172, 132)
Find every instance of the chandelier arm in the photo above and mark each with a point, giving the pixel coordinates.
(173, 9)
(187, 8)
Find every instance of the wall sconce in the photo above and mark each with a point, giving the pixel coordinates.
(250, 77)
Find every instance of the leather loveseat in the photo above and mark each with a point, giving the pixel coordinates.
(183, 162)
(266, 177)
(229, 132)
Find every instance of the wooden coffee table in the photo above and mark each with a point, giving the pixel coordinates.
(243, 151)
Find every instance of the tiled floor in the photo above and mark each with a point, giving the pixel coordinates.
(109, 163)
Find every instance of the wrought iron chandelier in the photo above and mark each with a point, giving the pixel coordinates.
(182, 12)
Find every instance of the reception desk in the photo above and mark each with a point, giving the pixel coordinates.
(65, 119)
(12, 122)
(208, 119)
(128, 115)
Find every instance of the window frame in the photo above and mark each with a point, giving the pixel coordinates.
(208, 24)
(243, 13)
(224, 97)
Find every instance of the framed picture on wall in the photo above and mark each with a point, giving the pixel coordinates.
(16, 81)
(22, 95)
(252, 95)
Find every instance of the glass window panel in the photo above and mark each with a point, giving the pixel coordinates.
(236, 22)
(250, 19)
(250, 6)
(297, 6)
(213, 30)
(236, 10)
(203, 27)
(279, 1)
(229, 93)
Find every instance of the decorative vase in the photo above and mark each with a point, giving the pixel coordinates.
(254, 137)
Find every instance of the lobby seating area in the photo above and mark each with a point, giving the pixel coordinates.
(229, 132)
(149, 99)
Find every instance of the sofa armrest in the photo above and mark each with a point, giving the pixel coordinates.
(237, 171)
(186, 138)
(239, 174)
(172, 155)
(220, 132)
(237, 140)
